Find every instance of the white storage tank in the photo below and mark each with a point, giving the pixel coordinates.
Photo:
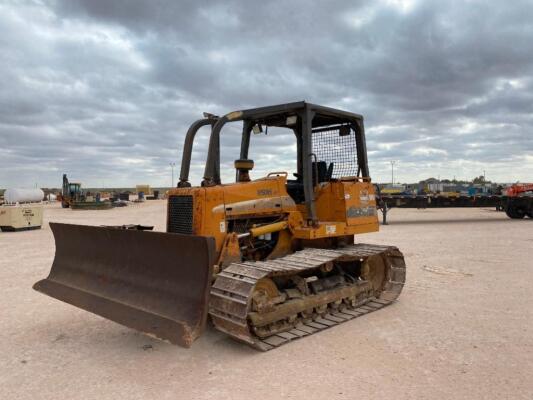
(13, 195)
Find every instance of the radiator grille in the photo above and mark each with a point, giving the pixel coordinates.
(180, 214)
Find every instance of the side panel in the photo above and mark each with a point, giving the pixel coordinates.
(209, 204)
(353, 203)
(360, 203)
(343, 208)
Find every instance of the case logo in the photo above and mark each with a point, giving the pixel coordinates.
(264, 192)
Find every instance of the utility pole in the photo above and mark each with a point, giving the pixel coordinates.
(392, 172)
(172, 165)
(484, 179)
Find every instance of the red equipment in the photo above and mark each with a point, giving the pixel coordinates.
(519, 188)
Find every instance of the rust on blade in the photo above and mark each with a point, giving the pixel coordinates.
(155, 282)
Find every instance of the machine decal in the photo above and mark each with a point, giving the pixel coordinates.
(354, 212)
(331, 229)
(363, 196)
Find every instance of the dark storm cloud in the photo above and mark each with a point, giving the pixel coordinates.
(105, 90)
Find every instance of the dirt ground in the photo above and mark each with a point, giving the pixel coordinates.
(462, 328)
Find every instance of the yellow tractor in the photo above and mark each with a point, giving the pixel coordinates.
(269, 260)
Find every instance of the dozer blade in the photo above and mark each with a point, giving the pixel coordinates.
(155, 282)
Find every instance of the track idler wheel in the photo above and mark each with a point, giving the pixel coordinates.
(266, 295)
(374, 270)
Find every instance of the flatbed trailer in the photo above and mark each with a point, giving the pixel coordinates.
(386, 202)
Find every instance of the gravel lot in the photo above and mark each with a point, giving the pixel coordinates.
(462, 329)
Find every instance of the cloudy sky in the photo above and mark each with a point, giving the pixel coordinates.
(105, 90)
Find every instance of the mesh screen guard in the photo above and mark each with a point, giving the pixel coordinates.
(331, 146)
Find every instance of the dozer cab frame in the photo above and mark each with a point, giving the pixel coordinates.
(331, 161)
(263, 257)
(306, 120)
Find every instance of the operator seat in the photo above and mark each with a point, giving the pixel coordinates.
(295, 188)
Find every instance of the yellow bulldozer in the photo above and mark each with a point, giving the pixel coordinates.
(269, 260)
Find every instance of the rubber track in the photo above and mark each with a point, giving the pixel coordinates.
(231, 294)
